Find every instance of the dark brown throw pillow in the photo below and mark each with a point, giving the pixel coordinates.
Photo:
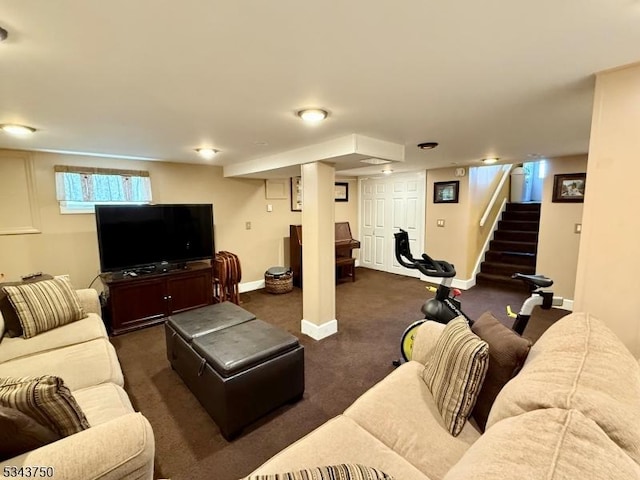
(11, 321)
(19, 433)
(507, 353)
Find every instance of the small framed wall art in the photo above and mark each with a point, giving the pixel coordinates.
(569, 187)
(446, 192)
(342, 191)
(296, 194)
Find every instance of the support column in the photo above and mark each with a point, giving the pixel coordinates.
(318, 254)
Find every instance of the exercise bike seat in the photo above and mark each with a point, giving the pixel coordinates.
(534, 280)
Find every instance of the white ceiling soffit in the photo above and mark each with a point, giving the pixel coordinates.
(344, 153)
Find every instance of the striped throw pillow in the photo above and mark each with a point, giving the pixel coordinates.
(332, 472)
(47, 400)
(454, 372)
(44, 305)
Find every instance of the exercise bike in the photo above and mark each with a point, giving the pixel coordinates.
(445, 306)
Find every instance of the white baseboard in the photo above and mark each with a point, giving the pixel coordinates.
(567, 304)
(318, 332)
(251, 286)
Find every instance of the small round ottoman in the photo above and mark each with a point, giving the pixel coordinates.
(278, 280)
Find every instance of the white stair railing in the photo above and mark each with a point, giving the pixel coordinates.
(506, 170)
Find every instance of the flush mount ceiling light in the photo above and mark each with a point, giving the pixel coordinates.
(375, 161)
(388, 171)
(207, 153)
(312, 115)
(3, 34)
(18, 130)
(489, 161)
(427, 145)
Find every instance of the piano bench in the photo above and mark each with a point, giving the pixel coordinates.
(346, 267)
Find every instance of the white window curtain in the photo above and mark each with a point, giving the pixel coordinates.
(79, 189)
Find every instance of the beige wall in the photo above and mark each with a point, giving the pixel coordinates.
(68, 243)
(461, 240)
(557, 243)
(483, 182)
(608, 263)
(450, 242)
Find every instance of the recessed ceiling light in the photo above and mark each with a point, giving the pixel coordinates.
(207, 153)
(313, 115)
(20, 130)
(427, 145)
(3, 34)
(489, 161)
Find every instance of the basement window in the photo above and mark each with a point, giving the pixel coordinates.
(80, 189)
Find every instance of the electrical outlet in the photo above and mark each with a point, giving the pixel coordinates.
(269, 208)
(577, 228)
(247, 225)
(440, 222)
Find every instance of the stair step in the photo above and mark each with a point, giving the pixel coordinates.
(521, 216)
(505, 282)
(516, 236)
(513, 258)
(523, 207)
(507, 269)
(528, 226)
(506, 246)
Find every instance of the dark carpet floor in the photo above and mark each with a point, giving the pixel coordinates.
(372, 314)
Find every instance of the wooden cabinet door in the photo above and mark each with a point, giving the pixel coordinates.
(189, 290)
(137, 303)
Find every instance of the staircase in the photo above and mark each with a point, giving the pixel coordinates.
(513, 248)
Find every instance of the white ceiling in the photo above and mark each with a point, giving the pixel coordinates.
(159, 78)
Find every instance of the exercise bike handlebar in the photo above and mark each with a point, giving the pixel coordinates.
(427, 265)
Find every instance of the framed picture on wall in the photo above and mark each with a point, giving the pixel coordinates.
(342, 192)
(569, 187)
(446, 192)
(296, 194)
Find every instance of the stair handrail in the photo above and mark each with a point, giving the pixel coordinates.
(506, 170)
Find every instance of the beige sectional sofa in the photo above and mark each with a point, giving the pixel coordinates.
(572, 412)
(120, 443)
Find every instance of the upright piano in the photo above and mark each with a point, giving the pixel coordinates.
(344, 244)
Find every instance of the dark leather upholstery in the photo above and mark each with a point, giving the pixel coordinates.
(263, 369)
(194, 323)
(235, 349)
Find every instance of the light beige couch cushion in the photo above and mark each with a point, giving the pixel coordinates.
(80, 366)
(89, 300)
(401, 413)
(340, 440)
(426, 338)
(580, 364)
(545, 444)
(88, 328)
(103, 403)
(120, 449)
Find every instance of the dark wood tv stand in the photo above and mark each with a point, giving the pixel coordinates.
(145, 300)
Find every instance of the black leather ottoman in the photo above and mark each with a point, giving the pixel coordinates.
(239, 372)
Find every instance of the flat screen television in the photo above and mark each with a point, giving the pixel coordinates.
(133, 237)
